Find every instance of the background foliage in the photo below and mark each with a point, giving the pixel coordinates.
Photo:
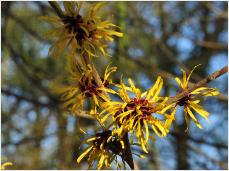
(159, 37)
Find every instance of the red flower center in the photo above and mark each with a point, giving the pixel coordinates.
(72, 24)
(113, 145)
(145, 108)
(184, 101)
(90, 87)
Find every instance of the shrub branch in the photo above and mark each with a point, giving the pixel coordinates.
(201, 83)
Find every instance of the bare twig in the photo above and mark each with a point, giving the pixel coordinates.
(169, 55)
(26, 140)
(221, 164)
(27, 28)
(212, 45)
(8, 92)
(55, 6)
(170, 76)
(34, 80)
(25, 98)
(200, 141)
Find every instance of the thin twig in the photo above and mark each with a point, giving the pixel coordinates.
(25, 98)
(27, 28)
(200, 141)
(199, 152)
(55, 6)
(169, 76)
(201, 83)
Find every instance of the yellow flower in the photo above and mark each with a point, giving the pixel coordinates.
(104, 147)
(5, 164)
(82, 86)
(191, 102)
(134, 115)
(86, 33)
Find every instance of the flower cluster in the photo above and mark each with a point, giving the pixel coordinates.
(105, 147)
(5, 163)
(86, 33)
(191, 100)
(137, 116)
(134, 115)
(83, 86)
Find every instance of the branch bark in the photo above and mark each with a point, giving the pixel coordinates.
(56, 8)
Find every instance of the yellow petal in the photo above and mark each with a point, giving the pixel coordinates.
(102, 50)
(85, 30)
(143, 146)
(95, 99)
(108, 90)
(124, 114)
(193, 117)
(191, 72)
(78, 5)
(134, 89)
(6, 164)
(84, 154)
(53, 32)
(157, 127)
(140, 156)
(198, 90)
(112, 32)
(154, 91)
(147, 130)
(205, 91)
(138, 133)
(123, 93)
(119, 131)
(82, 131)
(92, 139)
(158, 89)
(108, 140)
(105, 118)
(124, 105)
(101, 162)
(179, 82)
(170, 120)
(199, 110)
(97, 6)
(108, 71)
(103, 96)
(52, 19)
(211, 93)
(101, 145)
(161, 128)
(166, 108)
(196, 101)
(184, 78)
(122, 143)
(144, 94)
(69, 7)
